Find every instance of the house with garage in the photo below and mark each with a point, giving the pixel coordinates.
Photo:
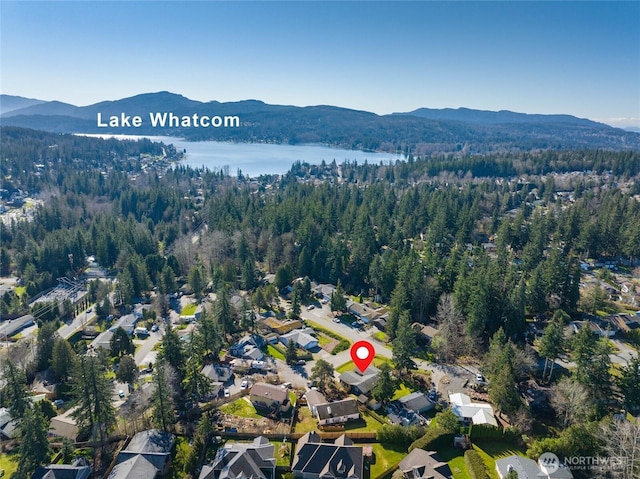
(249, 347)
(147, 456)
(302, 338)
(255, 460)
(472, 412)
(360, 382)
(337, 412)
(270, 398)
(317, 460)
(417, 402)
(314, 398)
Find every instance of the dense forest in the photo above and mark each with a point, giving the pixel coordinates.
(408, 232)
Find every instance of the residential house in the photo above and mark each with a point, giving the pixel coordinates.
(314, 398)
(362, 312)
(8, 427)
(623, 322)
(426, 332)
(468, 411)
(64, 425)
(239, 461)
(324, 291)
(269, 397)
(302, 338)
(126, 322)
(421, 464)
(218, 372)
(360, 382)
(79, 469)
(529, 469)
(602, 329)
(147, 456)
(317, 460)
(248, 347)
(337, 412)
(417, 402)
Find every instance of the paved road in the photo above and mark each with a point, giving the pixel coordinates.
(67, 330)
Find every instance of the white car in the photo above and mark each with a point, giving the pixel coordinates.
(480, 378)
(310, 307)
(244, 384)
(227, 393)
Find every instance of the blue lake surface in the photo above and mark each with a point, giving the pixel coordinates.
(255, 159)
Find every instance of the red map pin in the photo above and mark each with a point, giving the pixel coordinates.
(362, 354)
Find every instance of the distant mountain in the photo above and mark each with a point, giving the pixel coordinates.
(423, 131)
(467, 115)
(635, 129)
(11, 102)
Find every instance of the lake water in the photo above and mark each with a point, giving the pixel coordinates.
(256, 159)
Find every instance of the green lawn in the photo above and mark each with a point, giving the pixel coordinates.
(491, 450)
(380, 336)
(402, 390)
(180, 456)
(189, 309)
(242, 408)
(455, 458)
(306, 422)
(274, 353)
(283, 453)
(366, 423)
(9, 463)
(385, 458)
(349, 365)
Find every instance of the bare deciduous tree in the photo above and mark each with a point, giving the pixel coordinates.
(621, 440)
(571, 401)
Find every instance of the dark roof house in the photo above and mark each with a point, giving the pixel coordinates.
(421, 464)
(242, 461)
(417, 402)
(337, 412)
(146, 456)
(80, 469)
(361, 382)
(317, 460)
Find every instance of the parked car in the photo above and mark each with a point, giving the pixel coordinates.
(227, 393)
(244, 384)
(121, 393)
(480, 378)
(154, 328)
(310, 307)
(336, 320)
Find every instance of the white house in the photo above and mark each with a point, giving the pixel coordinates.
(337, 412)
(466, 410)
(301, 337)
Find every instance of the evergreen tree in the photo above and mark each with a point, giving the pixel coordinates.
(385, 385)
(197, 280)
(171, 350)
(14, 392)
(62, 359)
(91, 390)
(44, 346)
(34, 443)
(338, 301)
(629, 384)
(404, 345)
(295, 302)
(127, 370)
(162, 398)
(291, 353)
(224, 312)
(121, 343)
(552, 344)
(322, 372)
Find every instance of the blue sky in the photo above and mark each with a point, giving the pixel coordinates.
(580, 58)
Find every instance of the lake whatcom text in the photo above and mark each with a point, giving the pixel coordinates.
(168, 120)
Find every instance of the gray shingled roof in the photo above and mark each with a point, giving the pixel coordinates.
(345, 407)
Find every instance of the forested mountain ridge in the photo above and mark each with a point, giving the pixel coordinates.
(422, 131)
